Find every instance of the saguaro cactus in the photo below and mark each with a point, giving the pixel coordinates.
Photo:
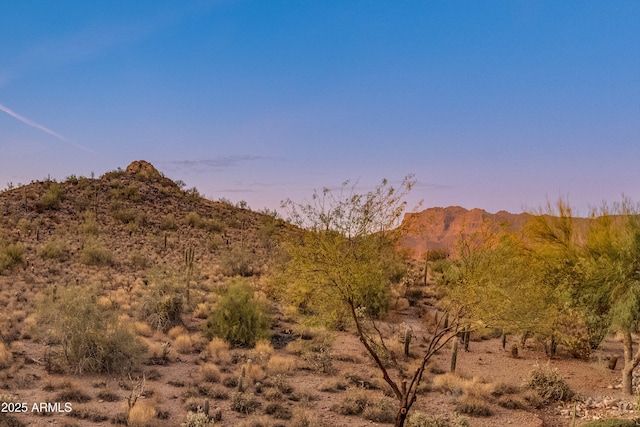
(188, 262)
(407, 340)
(454, 354)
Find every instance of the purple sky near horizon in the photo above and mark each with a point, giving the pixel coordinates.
(499, 105)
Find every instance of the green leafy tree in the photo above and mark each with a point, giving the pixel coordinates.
(530, 283)
(612, 262)
(496, 277)
(340, 263)
(555, 238)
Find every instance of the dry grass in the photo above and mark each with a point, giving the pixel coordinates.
(263, 350)
(281, 365)
(218, 350)
(6, 357)
(303, 418)
(201, 311)
(176, 331)
(473, 406)
(448, 383)
(143, 329)
(252, 373)
(210, 373)
(183, 344)
(142, 414)
(256, 421)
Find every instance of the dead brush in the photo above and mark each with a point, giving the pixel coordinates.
(549, 385)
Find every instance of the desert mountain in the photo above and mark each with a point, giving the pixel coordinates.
(440, 228)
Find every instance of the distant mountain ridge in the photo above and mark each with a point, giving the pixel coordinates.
(441, 228)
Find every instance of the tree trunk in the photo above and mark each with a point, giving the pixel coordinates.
(401, 418)
(630, 363)
(627, 369)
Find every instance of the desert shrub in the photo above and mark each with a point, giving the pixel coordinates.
(95, 252)
(512, 402)
(89, 414)
(162, 306)
(129, 192)
(197, 419)
(210, 373)
(10, 255)
(107, 396)
(89, 338)
(142, 414)
(238, 318)
(380, 410)
(168, 223)
(5, 356)
(218, 350)
(239, 261)
(449, 383)
(263, 350)
(420, 419)
(501, 389)
(183, 344)
(196, 221)
(303, 418)
(90, 224)
(125, 216)
(54, 249)
(278, 411)
(280, 365)
(354, 403)
(143, 329)
(245, 403)
(174, 332)
(333, 386)
(73, 394)
(549, 385)
(51, 198)
(533, 399)
(193, 219)
(257, 421)
(473, 406)
(440, 266)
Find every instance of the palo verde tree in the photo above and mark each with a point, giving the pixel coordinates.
(612, 265)
(341, 263)
(496, 277)
(555, 240)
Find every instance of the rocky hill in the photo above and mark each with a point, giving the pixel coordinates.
(440, 228)
(113, 229)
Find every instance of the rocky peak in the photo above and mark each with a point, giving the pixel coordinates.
(142, 168)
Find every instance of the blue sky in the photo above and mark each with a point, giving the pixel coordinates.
(492, 104)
